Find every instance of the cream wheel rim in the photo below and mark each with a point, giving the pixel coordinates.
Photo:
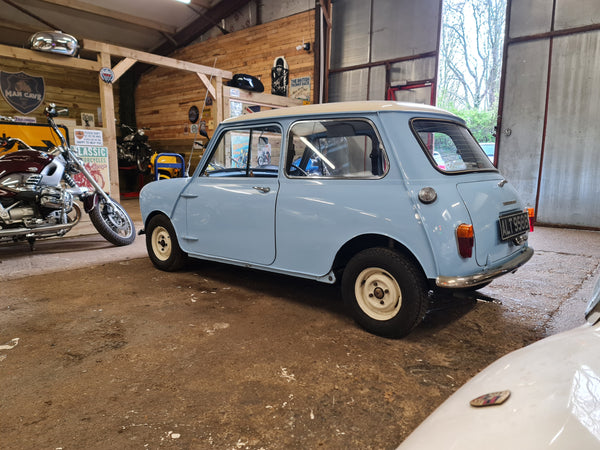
(161, 243)
(378, 293)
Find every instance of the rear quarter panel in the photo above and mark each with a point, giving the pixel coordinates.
(440, 218)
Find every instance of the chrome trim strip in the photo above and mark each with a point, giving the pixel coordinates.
(484, 277)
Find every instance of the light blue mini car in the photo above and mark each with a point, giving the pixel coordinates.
(352, 192)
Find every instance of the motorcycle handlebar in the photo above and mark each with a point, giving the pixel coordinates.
(51, 112)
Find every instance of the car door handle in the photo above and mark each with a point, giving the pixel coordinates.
(262, 189)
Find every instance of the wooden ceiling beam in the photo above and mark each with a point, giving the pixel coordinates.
(47, 58)
(156, 60)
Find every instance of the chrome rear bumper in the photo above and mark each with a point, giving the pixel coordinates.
(484, 277)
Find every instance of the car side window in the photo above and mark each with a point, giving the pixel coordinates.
(335, 149)
(246, 152)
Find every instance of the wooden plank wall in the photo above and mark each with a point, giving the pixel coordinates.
(164, 96)
(71, 88)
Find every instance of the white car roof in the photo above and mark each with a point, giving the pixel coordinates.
(357, 106)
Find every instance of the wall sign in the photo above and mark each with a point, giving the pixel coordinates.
(300, 88)
(95, 160)
(279, 77)
(88, 137)
(193, 114)
(107, 75)
(87, 119)
(21, 91)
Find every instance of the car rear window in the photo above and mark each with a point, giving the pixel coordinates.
(450, 146)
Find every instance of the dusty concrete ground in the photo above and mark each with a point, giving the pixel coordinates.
(120, 355)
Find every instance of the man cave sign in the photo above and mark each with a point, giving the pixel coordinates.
(21, 91)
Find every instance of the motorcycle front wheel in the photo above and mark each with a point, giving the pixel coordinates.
(112, 222)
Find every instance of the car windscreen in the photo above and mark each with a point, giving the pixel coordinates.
(450, 146)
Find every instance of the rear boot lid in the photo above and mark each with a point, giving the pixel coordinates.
(496, 214)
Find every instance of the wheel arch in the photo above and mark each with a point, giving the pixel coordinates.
(154, 214)
(365, 241)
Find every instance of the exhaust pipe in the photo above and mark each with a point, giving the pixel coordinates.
(53, 230)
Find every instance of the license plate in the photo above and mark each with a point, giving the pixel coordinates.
(513, 225)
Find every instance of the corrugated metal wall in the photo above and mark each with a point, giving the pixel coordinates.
(549, 138)
(380, 44)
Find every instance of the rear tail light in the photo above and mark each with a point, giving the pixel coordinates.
(531, 214)
(465, 238)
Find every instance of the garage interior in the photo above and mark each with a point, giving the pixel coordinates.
(220, 357)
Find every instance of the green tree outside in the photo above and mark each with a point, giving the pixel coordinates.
(471, 62)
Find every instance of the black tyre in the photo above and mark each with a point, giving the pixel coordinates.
(161, 243)
(112, 222)
(384, 291)
(143, 155)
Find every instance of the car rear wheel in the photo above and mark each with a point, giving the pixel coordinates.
(162, 246)
(385, 292)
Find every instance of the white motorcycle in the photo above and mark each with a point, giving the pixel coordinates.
(37, 193)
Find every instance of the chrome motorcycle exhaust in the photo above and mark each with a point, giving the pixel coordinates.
(49, 230)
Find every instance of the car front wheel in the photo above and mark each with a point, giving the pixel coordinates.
(162, 246)
(385, 292)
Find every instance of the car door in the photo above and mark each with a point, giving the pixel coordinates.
(230, 205)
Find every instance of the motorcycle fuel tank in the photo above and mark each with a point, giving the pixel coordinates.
(24, 161)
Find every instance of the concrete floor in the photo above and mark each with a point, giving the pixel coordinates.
(561, 273)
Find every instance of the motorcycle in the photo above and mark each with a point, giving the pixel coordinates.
(38, 193)
(134, 149)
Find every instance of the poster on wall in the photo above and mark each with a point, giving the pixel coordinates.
(235, 108)
(300, 88)
(87, 119)
(95, 160)
(279, 77)
(264, 151)
(239, 150)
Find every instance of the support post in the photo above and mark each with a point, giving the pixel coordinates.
(107, 104)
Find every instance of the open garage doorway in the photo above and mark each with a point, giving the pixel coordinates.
(470, 64)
